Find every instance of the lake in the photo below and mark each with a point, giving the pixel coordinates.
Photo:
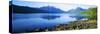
(22, 22)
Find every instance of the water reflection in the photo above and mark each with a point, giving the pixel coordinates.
(22, 22)
(50, 17)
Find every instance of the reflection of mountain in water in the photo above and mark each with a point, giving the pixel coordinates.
(78, 17)
(50, 17)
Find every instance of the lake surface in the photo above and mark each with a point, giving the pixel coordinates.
(22, 22)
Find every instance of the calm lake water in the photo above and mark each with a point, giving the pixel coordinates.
(22, 22)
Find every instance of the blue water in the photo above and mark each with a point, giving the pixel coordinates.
(22, 22)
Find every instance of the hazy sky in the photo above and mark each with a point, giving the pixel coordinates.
(64, 7)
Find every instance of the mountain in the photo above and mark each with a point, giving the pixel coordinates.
(51, 9)
(76, 11)
(18, 8)
(25, 9)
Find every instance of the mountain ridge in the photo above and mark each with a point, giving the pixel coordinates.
(24, 9)
(44, 9)
(76, 10)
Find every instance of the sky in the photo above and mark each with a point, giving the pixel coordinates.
(64, 7)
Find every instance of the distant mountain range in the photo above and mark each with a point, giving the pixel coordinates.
(76, 11)
(24, 9)
(51, 9)
(44, 9)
